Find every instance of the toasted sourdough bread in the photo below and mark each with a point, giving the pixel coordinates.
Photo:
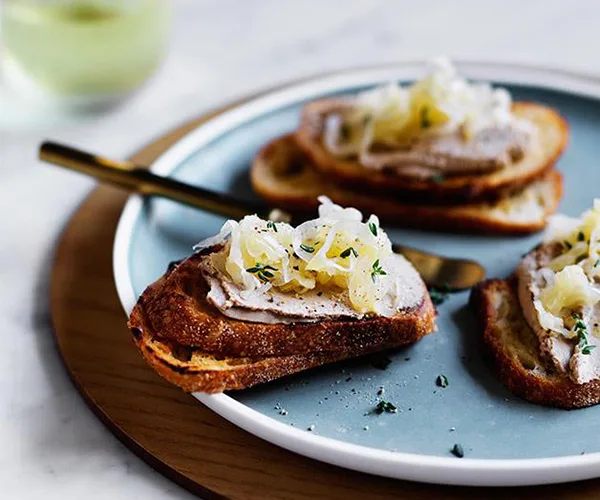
(285, 177)
(516, 353)
(191, 344)
(553, 137)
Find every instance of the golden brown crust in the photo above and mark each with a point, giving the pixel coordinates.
(516, 352)
(283, 176)
(193, 345)
(459, 189)
(205, 373)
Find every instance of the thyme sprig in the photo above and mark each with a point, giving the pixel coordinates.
(376, 270)
(582, 334)
(262, 271)
(385, 406)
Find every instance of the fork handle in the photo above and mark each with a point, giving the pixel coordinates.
(127, 175)
(130, 176)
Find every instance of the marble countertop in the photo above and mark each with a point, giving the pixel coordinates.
(52, 445)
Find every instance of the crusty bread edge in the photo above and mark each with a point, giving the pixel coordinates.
(437, 217)
(249, 372)
(553, 390)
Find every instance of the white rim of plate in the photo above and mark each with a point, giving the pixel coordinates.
(399, 465)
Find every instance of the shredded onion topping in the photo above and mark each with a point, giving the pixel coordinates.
(572, 278)
(337, 250)
(442, 102)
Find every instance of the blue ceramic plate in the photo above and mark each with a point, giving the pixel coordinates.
(506, 440)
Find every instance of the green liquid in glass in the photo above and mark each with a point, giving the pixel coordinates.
(85, 47)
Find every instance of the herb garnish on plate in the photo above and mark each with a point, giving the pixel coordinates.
(385, 406)
(439, 294)
(457, 450)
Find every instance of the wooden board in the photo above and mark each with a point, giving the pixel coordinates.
(169, 429)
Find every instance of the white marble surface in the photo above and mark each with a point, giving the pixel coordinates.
(52, 446)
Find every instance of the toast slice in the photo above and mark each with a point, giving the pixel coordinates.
(553, 136)
(516, 352)
(284, 176)
(196, 371)
(193, 345)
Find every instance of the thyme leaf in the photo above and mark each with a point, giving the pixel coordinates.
(373, 228)
(385, 406)
(439, 294)
(457, 450)
(441, 381)
(376, 270)
(307, 248)
(262, 271)
(348, 251)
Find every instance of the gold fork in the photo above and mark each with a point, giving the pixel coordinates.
(438, 271)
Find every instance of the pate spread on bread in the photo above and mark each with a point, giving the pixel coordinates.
(542, 325)
(332, 267)
(559, 292)
(439, 125)
(440, 140)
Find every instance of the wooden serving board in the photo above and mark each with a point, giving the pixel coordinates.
(171, 430)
